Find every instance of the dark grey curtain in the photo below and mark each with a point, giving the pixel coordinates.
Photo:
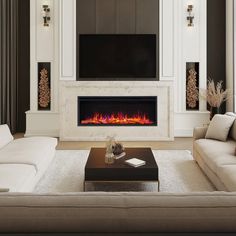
(8, 62)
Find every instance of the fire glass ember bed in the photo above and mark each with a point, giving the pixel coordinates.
(117, 111)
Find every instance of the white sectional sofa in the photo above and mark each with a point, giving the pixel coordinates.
(217, 158)
(23, 161)
(100, 213)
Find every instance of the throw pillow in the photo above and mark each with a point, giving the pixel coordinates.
(5, 135)
(219, 127)
(232, 132)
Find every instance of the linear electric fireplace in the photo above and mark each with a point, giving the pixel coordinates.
(117, 111)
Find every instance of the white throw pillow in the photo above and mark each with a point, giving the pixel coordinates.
(5, 135)
(219, 127)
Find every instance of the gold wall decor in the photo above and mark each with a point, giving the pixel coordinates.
(44, 90)
(192, 90)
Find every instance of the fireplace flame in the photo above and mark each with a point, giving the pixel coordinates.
(117, 119)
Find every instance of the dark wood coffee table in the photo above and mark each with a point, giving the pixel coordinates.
(96, 170)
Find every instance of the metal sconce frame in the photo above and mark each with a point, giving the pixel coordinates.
(46, 15)
(190, 16)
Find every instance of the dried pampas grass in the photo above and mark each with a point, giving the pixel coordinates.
(215, 95)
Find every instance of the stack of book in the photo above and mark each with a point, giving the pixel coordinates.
(135, 162)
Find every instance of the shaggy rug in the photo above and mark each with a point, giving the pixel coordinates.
(178, 173)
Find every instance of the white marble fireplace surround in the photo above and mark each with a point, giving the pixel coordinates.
(69, 91)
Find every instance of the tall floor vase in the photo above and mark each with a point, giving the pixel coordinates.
(214, 111)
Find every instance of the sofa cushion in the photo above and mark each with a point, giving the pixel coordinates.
(32, 151)
(216, 153)
(5, 135)
(232, 133)
(227, 174)
(219, 127)
(15, 176)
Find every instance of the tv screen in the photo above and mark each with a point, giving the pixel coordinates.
(117, 56)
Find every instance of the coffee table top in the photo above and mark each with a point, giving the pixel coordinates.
(97, 170)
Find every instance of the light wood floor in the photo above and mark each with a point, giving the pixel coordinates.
(177, 144)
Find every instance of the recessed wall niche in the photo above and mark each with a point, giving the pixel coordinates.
(192, 86)
(44, 86)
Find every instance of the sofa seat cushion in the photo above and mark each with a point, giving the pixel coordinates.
(32, 151)
(216, 153)
(16, 177)
(227, 174)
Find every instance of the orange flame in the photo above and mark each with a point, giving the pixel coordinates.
(117, 119)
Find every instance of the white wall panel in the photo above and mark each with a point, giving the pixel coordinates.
(68, 38)
(167, 35)
(192, 43)
(44, 35)
(43, 48)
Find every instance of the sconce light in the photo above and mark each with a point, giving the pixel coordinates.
(46, 15)
(190, 16)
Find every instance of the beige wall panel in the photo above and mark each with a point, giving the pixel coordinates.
(147, 16)
(125, 12)
(86, 16)
(106, 16)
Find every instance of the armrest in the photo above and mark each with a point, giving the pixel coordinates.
(199, 132)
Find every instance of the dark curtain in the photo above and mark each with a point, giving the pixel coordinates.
(216, 42)
(23, 92)
(8, 62)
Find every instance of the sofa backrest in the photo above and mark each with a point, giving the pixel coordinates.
(5, 135)
(232, 133)
(118, 212)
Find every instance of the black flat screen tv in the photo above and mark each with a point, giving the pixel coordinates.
(117, 56)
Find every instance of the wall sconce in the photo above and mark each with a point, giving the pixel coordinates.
(46, 15)
(190, 16)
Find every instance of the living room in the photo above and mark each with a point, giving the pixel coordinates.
(111, 110)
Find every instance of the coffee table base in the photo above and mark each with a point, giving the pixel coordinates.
(112, 185)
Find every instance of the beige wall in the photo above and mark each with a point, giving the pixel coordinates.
(229, 52)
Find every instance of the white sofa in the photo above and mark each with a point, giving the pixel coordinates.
(217, 158)
(23, 161)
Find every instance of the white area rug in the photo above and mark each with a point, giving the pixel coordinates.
(178, 172)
